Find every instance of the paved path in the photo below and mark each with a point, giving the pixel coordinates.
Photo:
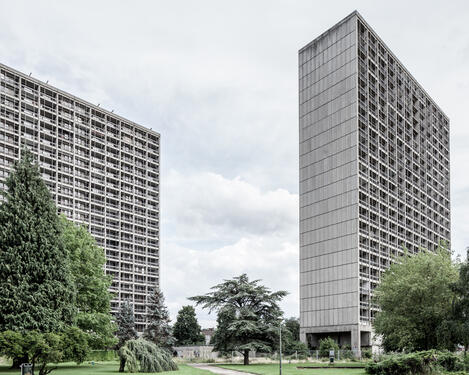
(218, 370)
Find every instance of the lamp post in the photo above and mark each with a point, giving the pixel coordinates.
(280, 347)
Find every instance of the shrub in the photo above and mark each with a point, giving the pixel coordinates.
(424, 362)
(297, 349)
(449, 361)
(366, 353)
(327, 344)
(141, 355)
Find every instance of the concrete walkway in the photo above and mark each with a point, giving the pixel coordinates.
(218, 370)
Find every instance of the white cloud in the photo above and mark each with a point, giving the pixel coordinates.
(206, 206)
(217, 228)
(191, 272)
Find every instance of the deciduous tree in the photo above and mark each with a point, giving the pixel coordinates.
(93, 306)
(414, 298)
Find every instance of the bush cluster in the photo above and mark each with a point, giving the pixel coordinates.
(327, 344)
(424, 362)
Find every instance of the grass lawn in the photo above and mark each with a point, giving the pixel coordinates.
(290, 369)
(104, 368)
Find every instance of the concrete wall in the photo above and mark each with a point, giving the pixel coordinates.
(196, 352)
(329, 300)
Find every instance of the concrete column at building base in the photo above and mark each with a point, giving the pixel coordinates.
(355, 340)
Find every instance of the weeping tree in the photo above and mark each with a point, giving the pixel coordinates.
(141, 355)
(248, 313)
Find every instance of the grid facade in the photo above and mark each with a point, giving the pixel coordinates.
(374, 177)
(101, 169)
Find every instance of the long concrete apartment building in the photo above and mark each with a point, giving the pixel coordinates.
(374, 177)
(102, 170)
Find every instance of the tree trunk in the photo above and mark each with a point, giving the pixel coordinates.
(17, 361)
(122, 365)
(246, 356)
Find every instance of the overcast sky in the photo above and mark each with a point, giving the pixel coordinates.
(218, 80)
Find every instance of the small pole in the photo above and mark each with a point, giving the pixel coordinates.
(280, 347)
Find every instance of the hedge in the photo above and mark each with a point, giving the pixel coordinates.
(419, 363)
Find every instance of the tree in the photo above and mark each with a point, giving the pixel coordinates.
(36, 288)
(461, 305)
(455, 329)
(144, 356)
(126, 331)
(292, 338)
(186, 329)
(293, 325)
(222, 338)
(414, 298)
(248, 315)
(92, 285)
(158, 329)
(44, 348)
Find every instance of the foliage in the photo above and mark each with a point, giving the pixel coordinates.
(187, 330)
(367, 353)
(293, 325)
(423, 362)
(75, 345)
(222, 337)
(87, 262)
(327, 344)
(414, 297)
(36, 287)
(248, 315)
(158, 329)
(298, 348)
(293, 345)
(44, 348)
(125, 321)
(455, 328)
(141, 355)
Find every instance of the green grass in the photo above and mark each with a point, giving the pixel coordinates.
(104, 368)
(290, 369)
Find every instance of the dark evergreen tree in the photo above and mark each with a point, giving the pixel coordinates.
(293, 326)
(454, 330)
(158, 329)
(221, 339)
(186, 330)
(126, 331)
(249, 313)
(461, 306)
(36, 288)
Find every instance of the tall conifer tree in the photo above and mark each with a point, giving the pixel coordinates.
(158, 329)
(36, 288)
(126, 331)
